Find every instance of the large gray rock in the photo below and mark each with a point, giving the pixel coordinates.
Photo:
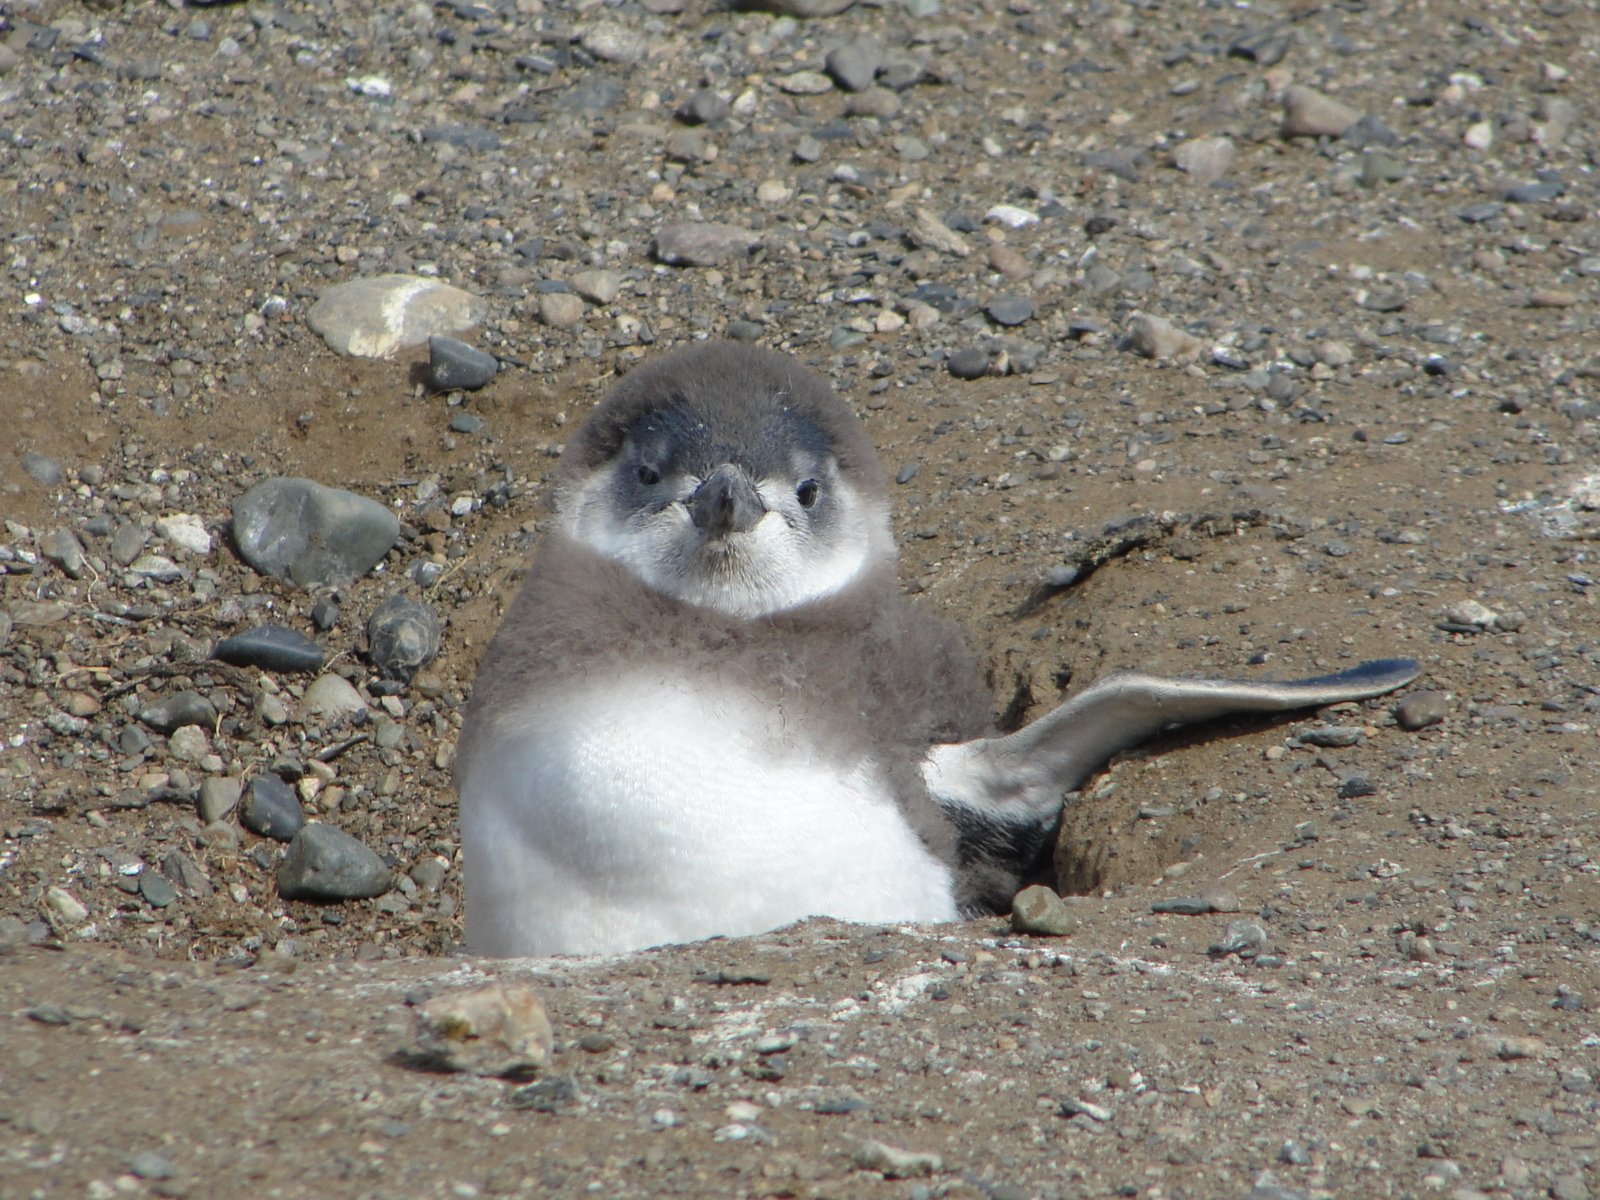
(703, 243)
(304, 533)
(372, 318)
(324, 863)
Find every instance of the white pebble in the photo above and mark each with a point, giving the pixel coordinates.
(1011, 216)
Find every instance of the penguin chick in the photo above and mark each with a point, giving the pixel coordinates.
(710, 711)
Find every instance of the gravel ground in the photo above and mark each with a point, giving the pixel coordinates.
(1335, 390)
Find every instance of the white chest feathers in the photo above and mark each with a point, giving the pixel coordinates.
(653, 809)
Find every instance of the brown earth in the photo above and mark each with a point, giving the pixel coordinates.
(1421, 1019)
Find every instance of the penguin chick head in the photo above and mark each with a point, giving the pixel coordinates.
(731, 478)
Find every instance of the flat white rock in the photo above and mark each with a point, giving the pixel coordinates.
(373, 318)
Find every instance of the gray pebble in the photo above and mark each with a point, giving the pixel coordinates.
(1185, 906)
(1010, 310)
(1333, 736)
(462, 421)
(156, 891)
(41, 468)
(704, 107)
(272, 648)
(177, 710)
(403, 636)
(455, 366)
(1421, 709)
(298, 531)
(855, 64)
(151, 1164)
(1262, 46)
(332, 697)
(703, 243)
(324, 863)
(1308, 113)
(127, 543)
(62, 547)
(270, 809)
(218, 796)
(1353, 787)
(971, 363)
(1536, 192)
(1039, 910)
(325, 613)
(1370, 131)
(1476, 214)
(561, 310)
(745, 331)
(1244, 936)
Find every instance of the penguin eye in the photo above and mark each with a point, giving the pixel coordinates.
(647, 474)
(807, 492)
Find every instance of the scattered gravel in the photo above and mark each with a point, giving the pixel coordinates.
(1374, 392)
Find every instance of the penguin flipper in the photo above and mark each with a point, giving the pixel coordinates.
(1020, 779)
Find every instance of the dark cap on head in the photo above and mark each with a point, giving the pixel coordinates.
(728, 402)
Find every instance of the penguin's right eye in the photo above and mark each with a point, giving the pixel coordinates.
(647, 475)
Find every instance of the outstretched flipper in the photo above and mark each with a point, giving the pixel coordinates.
(1004, 793)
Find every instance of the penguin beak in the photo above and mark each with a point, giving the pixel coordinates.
(726, 502)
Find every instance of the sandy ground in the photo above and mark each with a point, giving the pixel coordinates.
(1421, 1018)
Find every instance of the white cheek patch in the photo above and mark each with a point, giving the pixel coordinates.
(771, 568)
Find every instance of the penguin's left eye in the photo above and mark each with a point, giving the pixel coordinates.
(807, 492)
(647, 475)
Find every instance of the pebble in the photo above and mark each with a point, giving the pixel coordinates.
(66, 909)
(377, 316)
(498, 1030)
(1011, 216)
(218, 796)
(127, 543)
(272, 648)
(185, 531)
(1157, 338)
(804, 83)
(157, 567)
(1205, 160)
(299, 531)
(151, 1164)
(703, 107)
(270, 809)
(403, 636)
(41, 468)
(797, 8)
(1039, 910)
(1195, 906)
(1331, 736)
(462, 421)
(1244, 936)
(1479, 135)
(332, 697)
(1421, 709)
(62, 547)
(612, 41)
(894, 1163)
(455, 366)
(560, 310)
(703, 243)
(597, 287)
(177, 710)
(324, 863)
(1471, 612)
(970, 363)
(1309, 113)
(156, 891)
(189, 744)
(928, 231)
(1010, 310)
(874, 102)
(1353, 787)
(855, 64)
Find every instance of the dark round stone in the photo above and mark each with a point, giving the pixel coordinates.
(403, 636)
(176, 711)
(271, 809)
(971, 363)
(1010, 310)
(272, 648)
(455, 366)
(324, 863)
